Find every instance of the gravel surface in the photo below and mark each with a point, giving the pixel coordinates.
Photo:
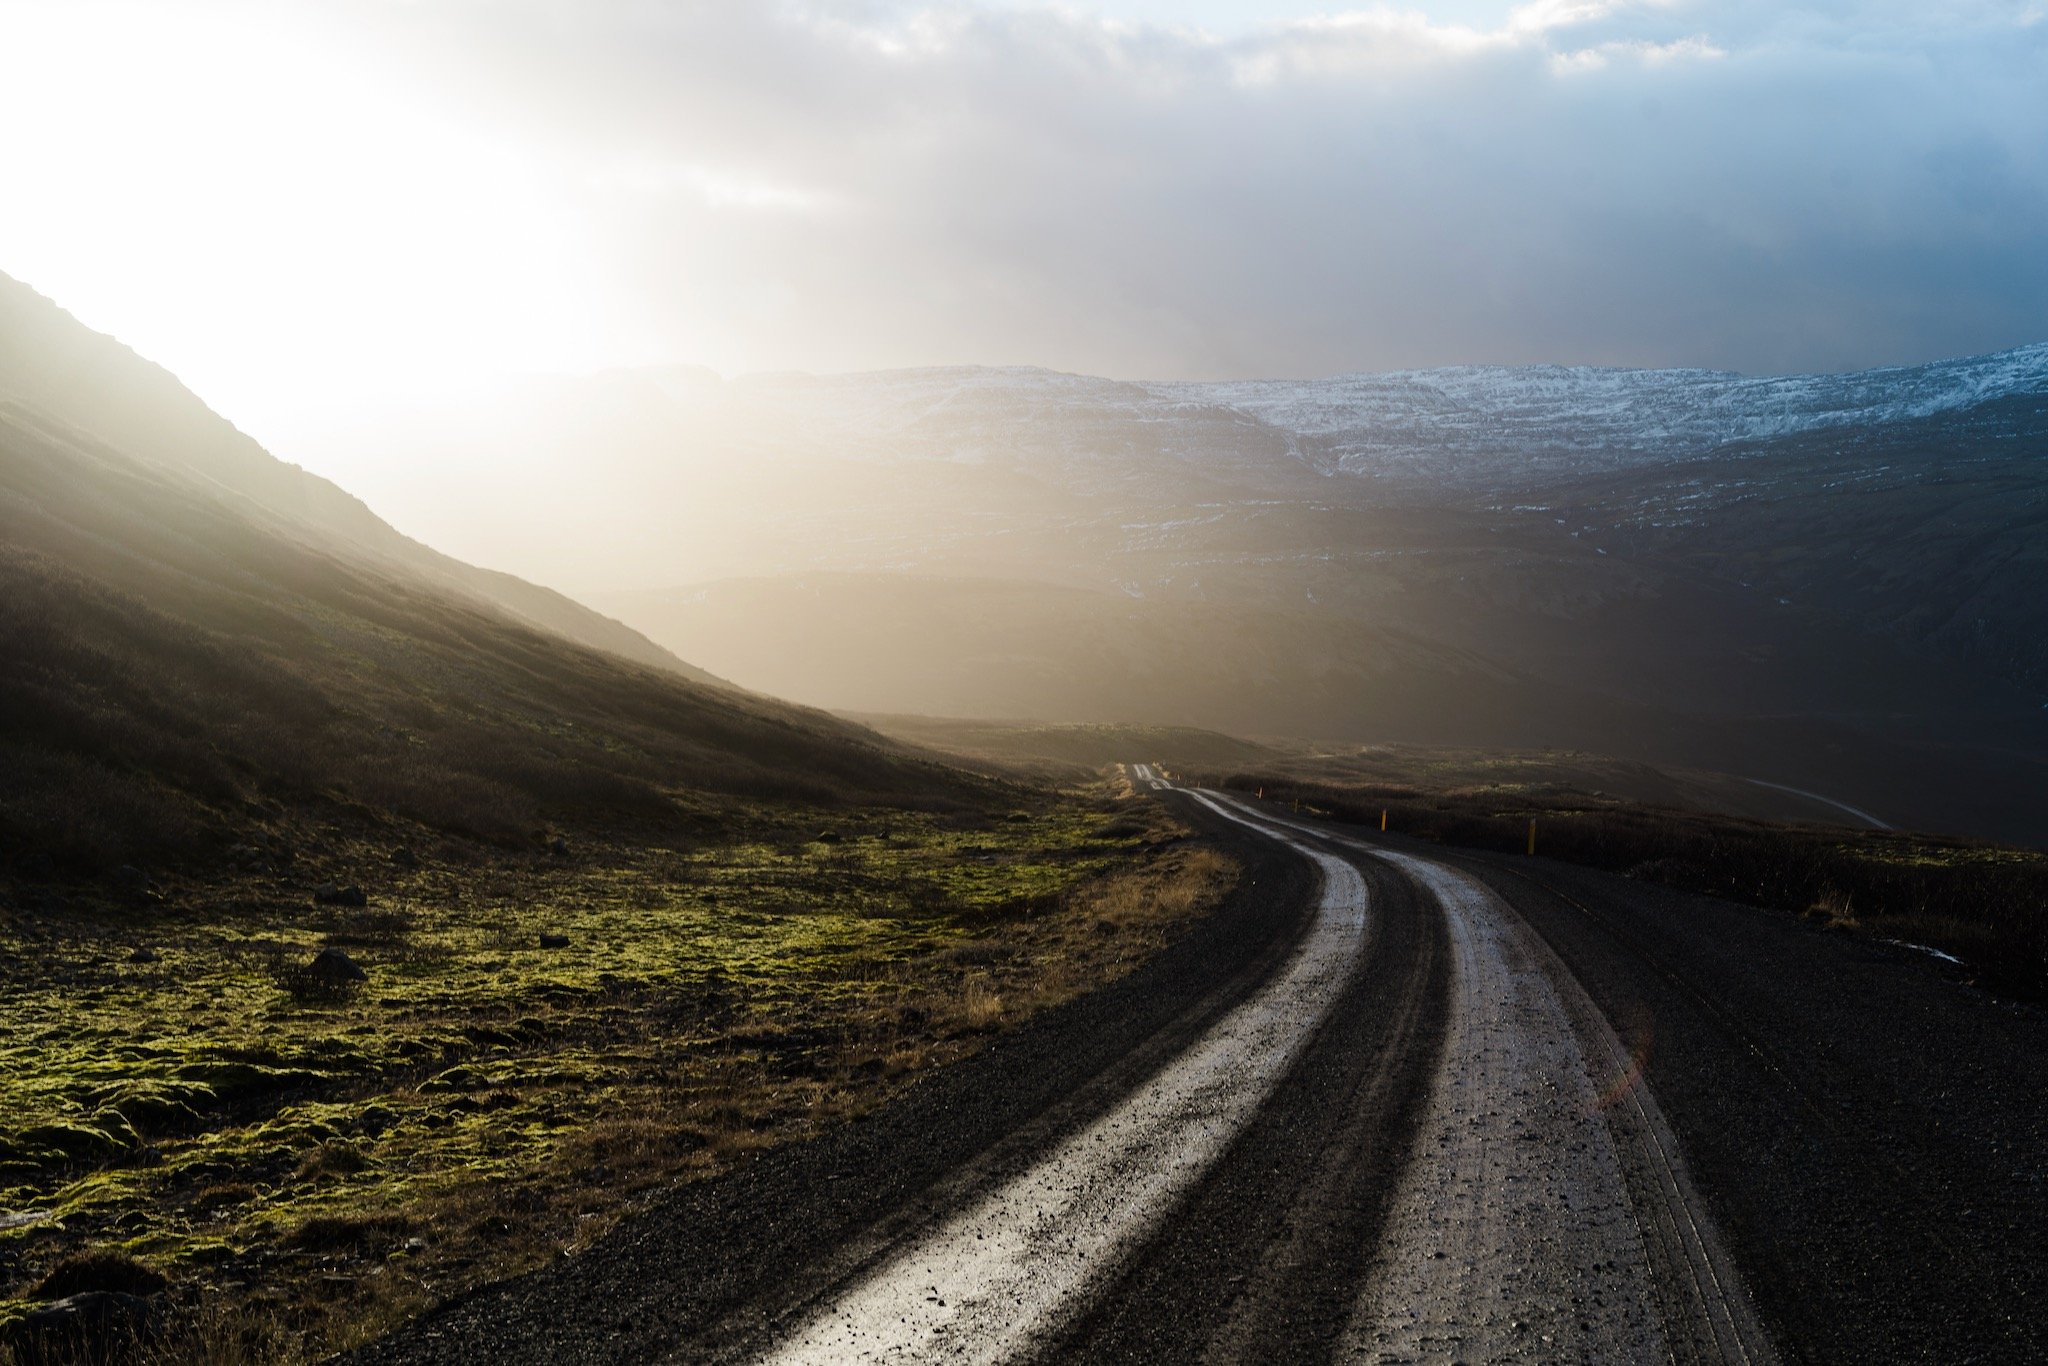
(1521, 1111)
(1518, 1234)
(1870, 1131)
(1512, 1237)
(994, 1280)
(705, 1266)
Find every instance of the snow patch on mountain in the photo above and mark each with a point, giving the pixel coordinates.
(1494, 425)
(1417, 419)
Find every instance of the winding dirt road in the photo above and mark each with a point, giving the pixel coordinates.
(1511, 1234)
(1380, 1110)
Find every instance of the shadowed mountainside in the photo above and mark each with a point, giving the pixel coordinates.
(181, 662)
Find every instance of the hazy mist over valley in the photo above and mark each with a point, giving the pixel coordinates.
(1824, 581)
(683, 682)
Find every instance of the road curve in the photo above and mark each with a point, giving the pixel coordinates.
(996, 1278)
(1512, 1232)
(1517, 1233)
(1418, 1133)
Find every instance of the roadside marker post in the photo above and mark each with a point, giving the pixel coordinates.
(1383, 820)
(1532, 836)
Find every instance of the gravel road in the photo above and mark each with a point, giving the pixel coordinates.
(1392, 1103)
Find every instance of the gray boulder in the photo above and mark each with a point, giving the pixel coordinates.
(334, 969)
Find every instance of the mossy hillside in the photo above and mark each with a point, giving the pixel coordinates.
(163, 1095)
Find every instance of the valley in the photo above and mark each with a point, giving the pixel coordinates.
(394, 952)
(1023, 682)
(1824, 582)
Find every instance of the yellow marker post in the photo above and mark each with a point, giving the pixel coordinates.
(1532, 835)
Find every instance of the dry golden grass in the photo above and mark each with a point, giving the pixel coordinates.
(1836, 908)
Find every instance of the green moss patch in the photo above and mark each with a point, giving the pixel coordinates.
(489, 1097)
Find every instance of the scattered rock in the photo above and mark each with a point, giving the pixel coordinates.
(329, 894)
(825, 837)
(331, 976)
(551, 940)
(405, 858)
(129, 878)
(335, 970)
(91, 1326)
(558, 846)
(145, 955)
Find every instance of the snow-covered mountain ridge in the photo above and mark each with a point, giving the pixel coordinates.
(1413, 418)
(1458, 424)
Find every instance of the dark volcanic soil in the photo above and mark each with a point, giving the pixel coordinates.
(682, 1276)
(1869, 1131)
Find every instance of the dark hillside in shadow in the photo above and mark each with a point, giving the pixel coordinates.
(177, 666)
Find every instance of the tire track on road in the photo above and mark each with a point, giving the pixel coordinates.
(999, 1277)
(1548, 1214)
(1262, 1261)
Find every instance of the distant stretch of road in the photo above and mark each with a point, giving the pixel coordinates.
(1858, 812)
(1392, 1103)
(1512, 1231)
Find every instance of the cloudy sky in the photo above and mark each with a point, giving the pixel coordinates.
(294, 203)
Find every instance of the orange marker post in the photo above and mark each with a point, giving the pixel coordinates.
(1383, 819)
(1532, 835)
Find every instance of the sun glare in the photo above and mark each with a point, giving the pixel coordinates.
(221, 184)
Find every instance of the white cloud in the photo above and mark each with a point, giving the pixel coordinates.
(832, 185)
(1590, 59)
(716, 189)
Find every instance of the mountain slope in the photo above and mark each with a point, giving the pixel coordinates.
(51, 363)
(1493, 422)
(1826, 581)
(179, 668)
